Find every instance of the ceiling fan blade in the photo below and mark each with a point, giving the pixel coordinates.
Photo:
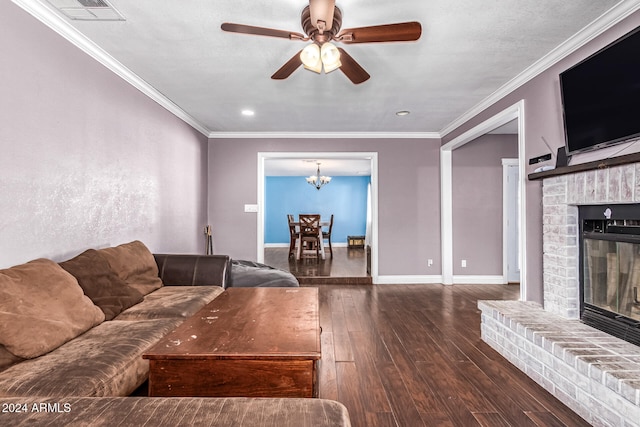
(402, 32)
(261, 31)
(352, 69)
(287, 69)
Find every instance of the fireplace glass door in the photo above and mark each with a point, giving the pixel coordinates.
(612, 276)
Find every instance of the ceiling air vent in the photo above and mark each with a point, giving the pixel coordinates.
(93, 3)
(88, 10)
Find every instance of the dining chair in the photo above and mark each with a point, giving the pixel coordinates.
(326, 235)
(310, 232)
(293, 234)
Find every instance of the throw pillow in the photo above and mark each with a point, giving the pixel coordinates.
(135, 265)
(42, 307)
(101, 284)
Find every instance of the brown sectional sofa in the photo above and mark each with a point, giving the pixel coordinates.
(173, 412)
(62, 307)
(74, 332)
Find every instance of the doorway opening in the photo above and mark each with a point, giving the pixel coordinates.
(371, 255)
(513, 114)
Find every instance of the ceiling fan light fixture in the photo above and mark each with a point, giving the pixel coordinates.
(310, 57)
(316, 68)
(332, 67)
(330, 56)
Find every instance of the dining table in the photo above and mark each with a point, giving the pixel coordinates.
(323, 223)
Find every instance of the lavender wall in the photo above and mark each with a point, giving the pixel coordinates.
(477, 203)
(542, 119)
(408, 196)
(87, 160)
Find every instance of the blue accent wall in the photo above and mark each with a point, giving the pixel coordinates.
(345, 197)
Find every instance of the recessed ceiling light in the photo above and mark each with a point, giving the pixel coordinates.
(248, 112)
(403, 113)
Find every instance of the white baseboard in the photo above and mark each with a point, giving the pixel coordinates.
(437, 279)
(409, 279)
(286, 245)
(479, 280)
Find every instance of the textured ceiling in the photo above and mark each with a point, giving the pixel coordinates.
(468, 50)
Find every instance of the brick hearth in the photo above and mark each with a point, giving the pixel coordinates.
(595, 374)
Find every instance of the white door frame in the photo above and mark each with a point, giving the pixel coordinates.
(506, 205)
(516, 111)
(371, 156)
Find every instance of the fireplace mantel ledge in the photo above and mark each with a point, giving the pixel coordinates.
(593, 373)
(597, 164)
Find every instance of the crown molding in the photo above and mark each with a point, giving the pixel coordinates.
(324, 135)
(58, 24)
(601, 24)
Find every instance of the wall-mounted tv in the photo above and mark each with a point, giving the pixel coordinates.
(601, 96)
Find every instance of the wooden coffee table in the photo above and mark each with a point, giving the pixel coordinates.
(253, 342)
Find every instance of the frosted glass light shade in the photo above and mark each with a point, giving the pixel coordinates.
(334, 66)
(310, 57)
(330, 55)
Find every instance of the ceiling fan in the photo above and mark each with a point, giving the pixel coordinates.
(321, 21)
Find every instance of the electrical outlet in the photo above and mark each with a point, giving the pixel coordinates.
(251, 208)
(464, 263)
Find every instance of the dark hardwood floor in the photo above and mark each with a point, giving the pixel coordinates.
(411, 355)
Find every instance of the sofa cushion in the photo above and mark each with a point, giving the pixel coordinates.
(180, 411)
(7, 358)
(42, 307)
(101, 284)
(105, 361)
(135, 265)
(172, 302)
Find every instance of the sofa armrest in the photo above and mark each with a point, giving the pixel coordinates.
(193, 270)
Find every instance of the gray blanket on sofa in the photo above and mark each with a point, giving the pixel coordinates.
(245, 274)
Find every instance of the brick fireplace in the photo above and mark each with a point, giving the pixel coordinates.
(595, 374)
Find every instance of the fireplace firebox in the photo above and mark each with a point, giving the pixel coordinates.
(610, 269)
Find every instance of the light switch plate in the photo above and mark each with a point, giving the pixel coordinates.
(251, 208)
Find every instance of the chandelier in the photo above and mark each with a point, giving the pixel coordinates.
(317, 180)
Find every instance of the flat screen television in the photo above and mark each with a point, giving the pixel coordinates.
(601, 96)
